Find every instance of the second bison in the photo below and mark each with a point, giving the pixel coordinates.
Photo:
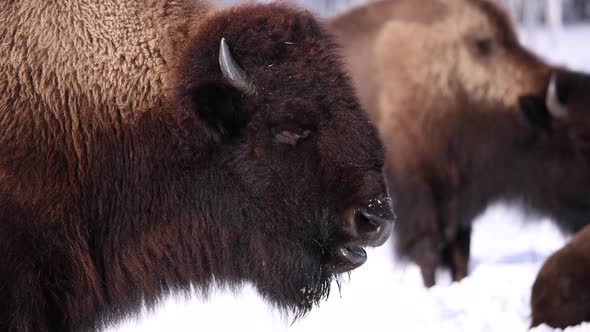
(443, 80)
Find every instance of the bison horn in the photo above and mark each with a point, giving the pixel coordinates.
(230, 69)
(555, 107)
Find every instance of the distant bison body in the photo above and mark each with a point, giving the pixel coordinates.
(149, 145)
(444, 81)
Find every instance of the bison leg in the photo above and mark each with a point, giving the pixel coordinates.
(428, 265)
(428, 275)
(457, 253)
(417, 235)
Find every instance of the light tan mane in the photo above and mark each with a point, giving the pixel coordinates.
(109, 77)
(71, 75)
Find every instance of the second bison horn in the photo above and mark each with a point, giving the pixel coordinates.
(554, 105)
(231, 70)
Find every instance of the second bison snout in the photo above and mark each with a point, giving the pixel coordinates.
(370, 226)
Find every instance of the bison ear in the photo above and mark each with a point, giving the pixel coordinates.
(535, 112)
(217, 104)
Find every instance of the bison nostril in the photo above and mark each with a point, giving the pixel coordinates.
(375, 228)
(367, 222)
(363, 228)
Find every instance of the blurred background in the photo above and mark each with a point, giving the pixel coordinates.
(539, 11)
(386, 295)
(558, 30)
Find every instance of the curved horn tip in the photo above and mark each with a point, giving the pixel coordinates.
(230, 69)
(555, 107)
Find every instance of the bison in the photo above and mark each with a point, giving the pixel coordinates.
(156, 146)
(443, 80)
(561, 293)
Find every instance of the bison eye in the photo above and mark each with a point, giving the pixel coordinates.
(291, 138)
(483, 46)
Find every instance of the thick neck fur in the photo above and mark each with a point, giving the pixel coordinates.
(146, 244)
(140, 250)
(139, 227)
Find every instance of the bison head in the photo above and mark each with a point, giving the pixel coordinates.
(562, 113)
(459, 49)
(294, 166)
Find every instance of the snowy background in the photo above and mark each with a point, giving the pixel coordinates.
(386, 295)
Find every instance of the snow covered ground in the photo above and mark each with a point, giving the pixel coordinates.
(385, 295)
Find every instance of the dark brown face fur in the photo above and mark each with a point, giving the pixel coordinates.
(271, 186)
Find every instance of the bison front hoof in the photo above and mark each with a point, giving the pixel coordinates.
(428, 277)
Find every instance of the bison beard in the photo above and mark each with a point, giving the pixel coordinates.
(180, 161)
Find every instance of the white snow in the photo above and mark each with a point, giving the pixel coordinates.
(387, 295)
(584, 327)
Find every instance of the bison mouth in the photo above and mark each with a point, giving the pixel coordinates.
(339, 250)
(362, 229)
(347, 258)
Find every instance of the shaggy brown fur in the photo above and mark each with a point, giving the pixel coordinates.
(429, 72)
(129, 167)
(561, 292)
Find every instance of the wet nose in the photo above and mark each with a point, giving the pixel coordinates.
(376, 228)
(371, 225)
